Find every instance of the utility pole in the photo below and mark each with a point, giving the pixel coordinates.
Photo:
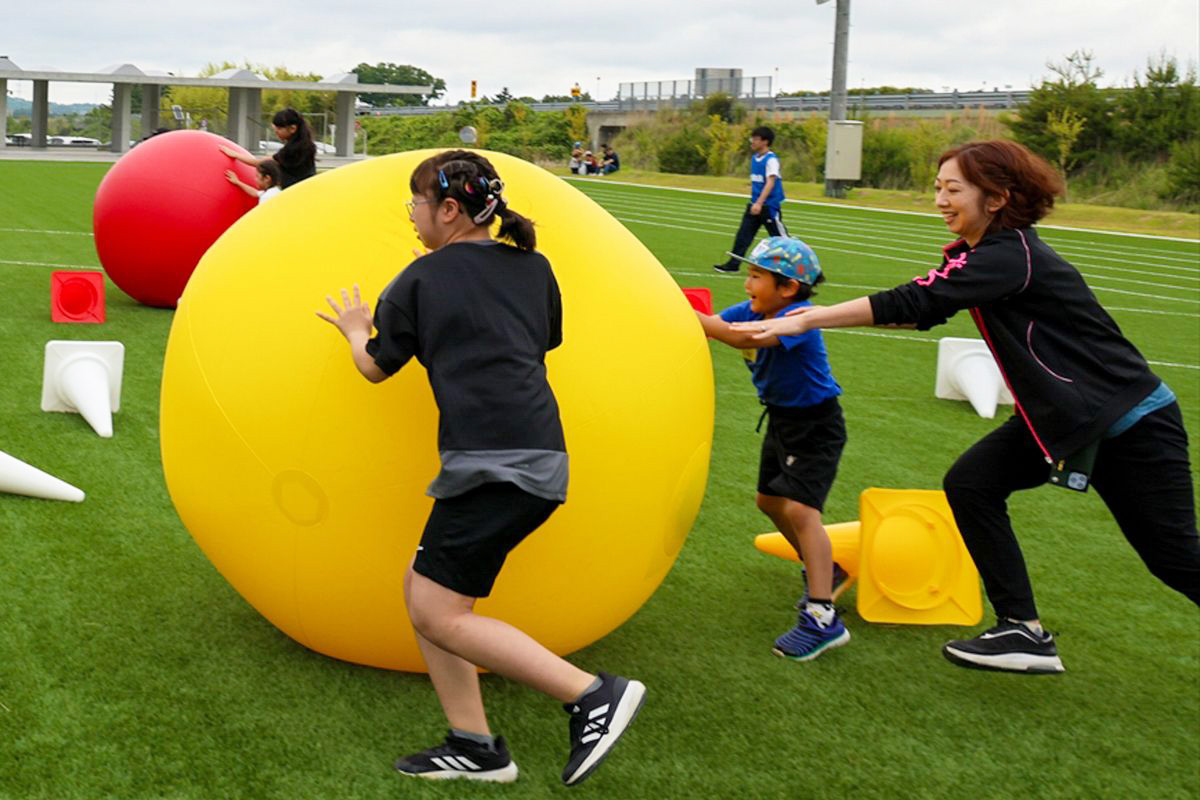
(837, 91)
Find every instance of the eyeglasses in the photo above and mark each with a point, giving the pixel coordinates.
(412, 204)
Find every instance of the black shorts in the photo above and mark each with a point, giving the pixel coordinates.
(800, 452)
(467, 537)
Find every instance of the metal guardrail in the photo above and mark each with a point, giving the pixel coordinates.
(925, 101)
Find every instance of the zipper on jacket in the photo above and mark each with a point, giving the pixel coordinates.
(975, 315)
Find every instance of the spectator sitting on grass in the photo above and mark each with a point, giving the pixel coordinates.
(612, 162)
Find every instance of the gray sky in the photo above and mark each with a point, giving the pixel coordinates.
(536, 48)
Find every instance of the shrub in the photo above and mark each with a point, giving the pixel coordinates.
(1183, 173)
(684, 152)
(885, 158)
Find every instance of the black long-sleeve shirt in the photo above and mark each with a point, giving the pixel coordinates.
(1070, 369)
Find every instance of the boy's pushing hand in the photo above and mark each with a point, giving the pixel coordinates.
(793, 323)
(231, 176)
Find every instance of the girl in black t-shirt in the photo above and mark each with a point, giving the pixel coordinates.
(480, 315)
(297, 159)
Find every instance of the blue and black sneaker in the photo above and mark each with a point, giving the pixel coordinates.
(810, 638)
(841, 582)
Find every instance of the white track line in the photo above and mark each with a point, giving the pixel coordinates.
(52, 233)
(920, 263)
(54, 266)
(863, 232)
(927, 237)
(870, 208)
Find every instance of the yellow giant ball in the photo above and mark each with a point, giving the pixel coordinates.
(305, 485)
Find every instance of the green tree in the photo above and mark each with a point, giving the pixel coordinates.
(684, 152)
(1160, 109)
(1064, 126)
(722, 145)
(1183, 172)
(926, 143)
(1073, 87)
(886, 160)
(723, 106)
(400, 75)
(97, 123)
(577, 124)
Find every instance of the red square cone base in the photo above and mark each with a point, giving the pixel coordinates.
(701, 299)
(77, 296)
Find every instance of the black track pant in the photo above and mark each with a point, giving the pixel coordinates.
(772, 218)
(1142, 475)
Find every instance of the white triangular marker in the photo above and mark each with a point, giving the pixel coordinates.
(84, 377)
(967, 371)
(17, 477)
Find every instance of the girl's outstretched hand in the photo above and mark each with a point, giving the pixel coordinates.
(352, 317)
(229, 151)
(794, 323)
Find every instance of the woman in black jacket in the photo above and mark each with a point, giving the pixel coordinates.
(1089, 410)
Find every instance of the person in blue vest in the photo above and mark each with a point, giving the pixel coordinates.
(766, 198)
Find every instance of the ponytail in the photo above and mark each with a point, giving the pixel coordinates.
(472, 181)
(517, 228)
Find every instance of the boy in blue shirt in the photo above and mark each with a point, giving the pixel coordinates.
(766, 198)
(805, 428)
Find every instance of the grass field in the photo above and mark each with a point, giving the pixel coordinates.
(1078, 215)
(129, 668)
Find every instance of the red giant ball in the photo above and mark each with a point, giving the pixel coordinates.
(160, 208)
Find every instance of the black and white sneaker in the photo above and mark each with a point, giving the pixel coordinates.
(597, 722)
(728, 267)
(461, 758)
(1009, 646)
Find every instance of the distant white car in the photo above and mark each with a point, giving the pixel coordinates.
(19, 139)
(74, 141)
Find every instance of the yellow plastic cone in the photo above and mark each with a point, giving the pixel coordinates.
(915, 568)
(844, 537)
(17, 477)
(908, 556)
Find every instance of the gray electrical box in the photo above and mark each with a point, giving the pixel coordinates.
(843, 151)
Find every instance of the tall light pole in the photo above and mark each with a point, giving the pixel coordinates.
(837, 91)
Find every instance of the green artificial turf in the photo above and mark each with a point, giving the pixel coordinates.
(129, 668)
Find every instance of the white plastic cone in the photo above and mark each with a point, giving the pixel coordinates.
(83, 384)
(976, 376)
(17, 477)
(84, 377)
(967, 371)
